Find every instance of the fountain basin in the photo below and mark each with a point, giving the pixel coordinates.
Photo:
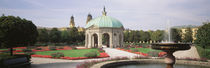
(170, 46)
(143, 62)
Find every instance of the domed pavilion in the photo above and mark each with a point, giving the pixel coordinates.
(104, 31)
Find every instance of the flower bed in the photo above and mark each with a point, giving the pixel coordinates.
(102, 55)
(160, 54)
(20, 49)
(140, 53)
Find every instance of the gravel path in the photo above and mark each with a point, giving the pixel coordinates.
(192, 53)
(119, 53)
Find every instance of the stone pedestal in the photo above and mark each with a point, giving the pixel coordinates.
(170, 59)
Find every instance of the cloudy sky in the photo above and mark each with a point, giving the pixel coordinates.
(134, 14)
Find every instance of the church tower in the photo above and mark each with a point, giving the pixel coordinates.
(89, 17)
(72, 22)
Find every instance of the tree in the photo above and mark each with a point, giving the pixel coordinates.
(43, 36)
(144, 35)
(73, 34)
(131, 36)
(65, 36)
(55, 35)
(15, 31)
(81, 36)
(137, 36)
(176, 36)
(188, 35)
(157, 35)
(126, 35)
(203, 35)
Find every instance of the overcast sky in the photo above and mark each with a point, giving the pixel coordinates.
(134, 14)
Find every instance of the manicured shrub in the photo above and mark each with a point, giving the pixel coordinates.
(60, 47)
(91, 54)
(135, 50)
(126, 48)
(27, 50)
(153, 53)
(101, 50)
(57, 55)
(29, 53)
(31, 47)
(52, 47)
(38, 48)
(73, 47)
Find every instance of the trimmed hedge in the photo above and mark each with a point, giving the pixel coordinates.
(153, 53)
(52, 47)
(91, 54)
(57, 55)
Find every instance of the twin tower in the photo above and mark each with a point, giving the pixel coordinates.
(72, 23)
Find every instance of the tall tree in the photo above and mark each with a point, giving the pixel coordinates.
(188, 35)
(131, 36)
(55, 35)
(65, 36)
(43, 36)
(15, 31)
(203, 35)
(73, 34)
(126, 35)
(137, 36)
(157, 35)
(145, 36)
(176, 35)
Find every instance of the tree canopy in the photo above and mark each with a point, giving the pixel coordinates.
(176, 36)
(203, 35)
(15, 31)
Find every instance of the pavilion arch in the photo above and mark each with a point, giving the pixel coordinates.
(104, 25)
(106, 40)
(95, 40)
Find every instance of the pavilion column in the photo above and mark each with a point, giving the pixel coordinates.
(100, 40)
(92, 41)
(111, 40)
(85, 40)
(89, 40)
(122, 39)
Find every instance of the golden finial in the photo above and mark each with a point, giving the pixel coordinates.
(104, 11)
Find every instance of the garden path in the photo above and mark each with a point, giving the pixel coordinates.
(118, 53)
(191, 53)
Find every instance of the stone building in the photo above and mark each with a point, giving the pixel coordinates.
(72, 24)
(194, 32)
(104, 31)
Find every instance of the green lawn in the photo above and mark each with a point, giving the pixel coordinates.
(204, 53)
(7, 49)
(69, 53)
(145, 50)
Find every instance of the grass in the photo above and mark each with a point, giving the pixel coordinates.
(204, 53)
(69, 53)
(145, 50)
(13, 49)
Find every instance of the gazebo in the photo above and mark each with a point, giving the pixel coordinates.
(104, 31)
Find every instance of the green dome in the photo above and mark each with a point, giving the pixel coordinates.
(104, 21)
